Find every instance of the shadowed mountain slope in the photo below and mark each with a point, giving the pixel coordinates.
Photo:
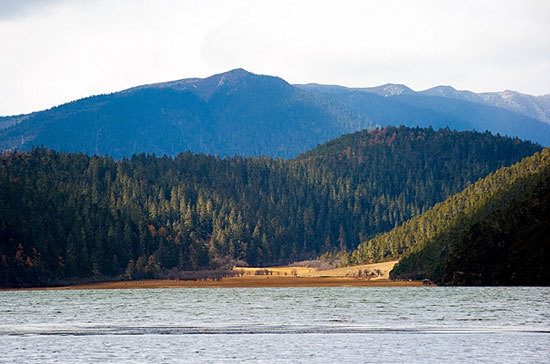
(236, 112)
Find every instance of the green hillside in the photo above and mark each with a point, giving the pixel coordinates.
(511, 246)
(493, 232)
(70, 216)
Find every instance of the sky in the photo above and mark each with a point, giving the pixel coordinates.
(55, 51)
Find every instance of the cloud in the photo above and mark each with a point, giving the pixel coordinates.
(14, 9)
(60, 50)
(10, 9)
(361, 43)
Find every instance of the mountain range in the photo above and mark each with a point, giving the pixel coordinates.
(536, 107)
(241, 113)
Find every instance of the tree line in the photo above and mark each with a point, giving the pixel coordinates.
(69, 216)
(494, 232)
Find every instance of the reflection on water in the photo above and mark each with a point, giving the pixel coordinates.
(353, 324)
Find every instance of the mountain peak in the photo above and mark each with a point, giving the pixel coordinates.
(389, 89)
(442, 88)
(451, 93)
(443, 91)
(237, 72)
(206, 87)
(233, 75)
(203, 87)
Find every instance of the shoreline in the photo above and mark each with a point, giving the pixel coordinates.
(287, 276)
(234, 282)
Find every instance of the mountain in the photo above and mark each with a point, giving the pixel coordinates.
(241, 113)
(536, 107)
(236, 112)
(69, 216)
(387, 90)
(438, 108)
(494, 232)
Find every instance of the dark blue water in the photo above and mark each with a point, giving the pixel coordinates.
(333, 324)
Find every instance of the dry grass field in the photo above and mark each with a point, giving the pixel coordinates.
(370, 275)
(376, 271)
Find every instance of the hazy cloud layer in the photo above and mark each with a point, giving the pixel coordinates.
(58, 50)
(10, 9)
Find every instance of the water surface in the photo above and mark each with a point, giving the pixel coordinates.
(322, 324)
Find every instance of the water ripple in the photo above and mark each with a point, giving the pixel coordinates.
(260, 330)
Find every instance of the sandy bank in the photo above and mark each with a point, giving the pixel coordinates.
(244, 281)
(277, 277)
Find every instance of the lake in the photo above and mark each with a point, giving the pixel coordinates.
(330, 324)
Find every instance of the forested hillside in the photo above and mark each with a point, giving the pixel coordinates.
(511, 246)
(70, 216)
(495, 232)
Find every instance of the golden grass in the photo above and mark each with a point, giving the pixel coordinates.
(277, 271)
(349, 272)
(279, 277)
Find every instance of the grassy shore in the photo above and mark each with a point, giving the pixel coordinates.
(370, 275)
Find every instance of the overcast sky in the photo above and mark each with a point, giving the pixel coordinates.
(54, 51)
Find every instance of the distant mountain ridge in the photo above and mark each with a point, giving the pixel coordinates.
(536, 107)
(241, 113)
(394, 104)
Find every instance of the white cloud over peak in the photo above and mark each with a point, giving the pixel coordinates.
(59, 50)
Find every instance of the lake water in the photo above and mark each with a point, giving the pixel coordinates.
(333, 325)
